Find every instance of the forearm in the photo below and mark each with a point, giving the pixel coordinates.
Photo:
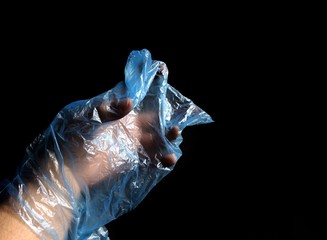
(12, 227)
(38, 212)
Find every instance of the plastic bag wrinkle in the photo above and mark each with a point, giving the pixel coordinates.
(92, 166)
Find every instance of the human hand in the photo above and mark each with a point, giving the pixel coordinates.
(100, 157)
(95, 143)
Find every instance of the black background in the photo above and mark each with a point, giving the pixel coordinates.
(252, 174)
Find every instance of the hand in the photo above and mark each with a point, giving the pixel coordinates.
(100, 157)
(96, 149)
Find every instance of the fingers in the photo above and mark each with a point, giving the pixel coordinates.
(157, 149)
(154, 141)
(110, 111)
(146, 121)
(154, 138)
(116, 106)
(170, 159)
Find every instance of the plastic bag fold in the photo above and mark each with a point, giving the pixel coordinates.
(94, 162)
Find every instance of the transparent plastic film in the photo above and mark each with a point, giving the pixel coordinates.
(100, 157)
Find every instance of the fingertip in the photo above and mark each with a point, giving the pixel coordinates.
(109, 111)
(125, 106)
(172, 133)
(169, 160)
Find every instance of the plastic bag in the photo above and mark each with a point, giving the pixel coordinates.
(100, 157)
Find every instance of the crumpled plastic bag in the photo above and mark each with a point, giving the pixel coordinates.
(91, 166)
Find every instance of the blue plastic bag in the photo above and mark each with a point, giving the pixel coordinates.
(100, 157)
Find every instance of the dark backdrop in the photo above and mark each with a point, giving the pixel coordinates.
(249, 175)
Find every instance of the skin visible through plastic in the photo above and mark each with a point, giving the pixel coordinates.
(100, 157)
